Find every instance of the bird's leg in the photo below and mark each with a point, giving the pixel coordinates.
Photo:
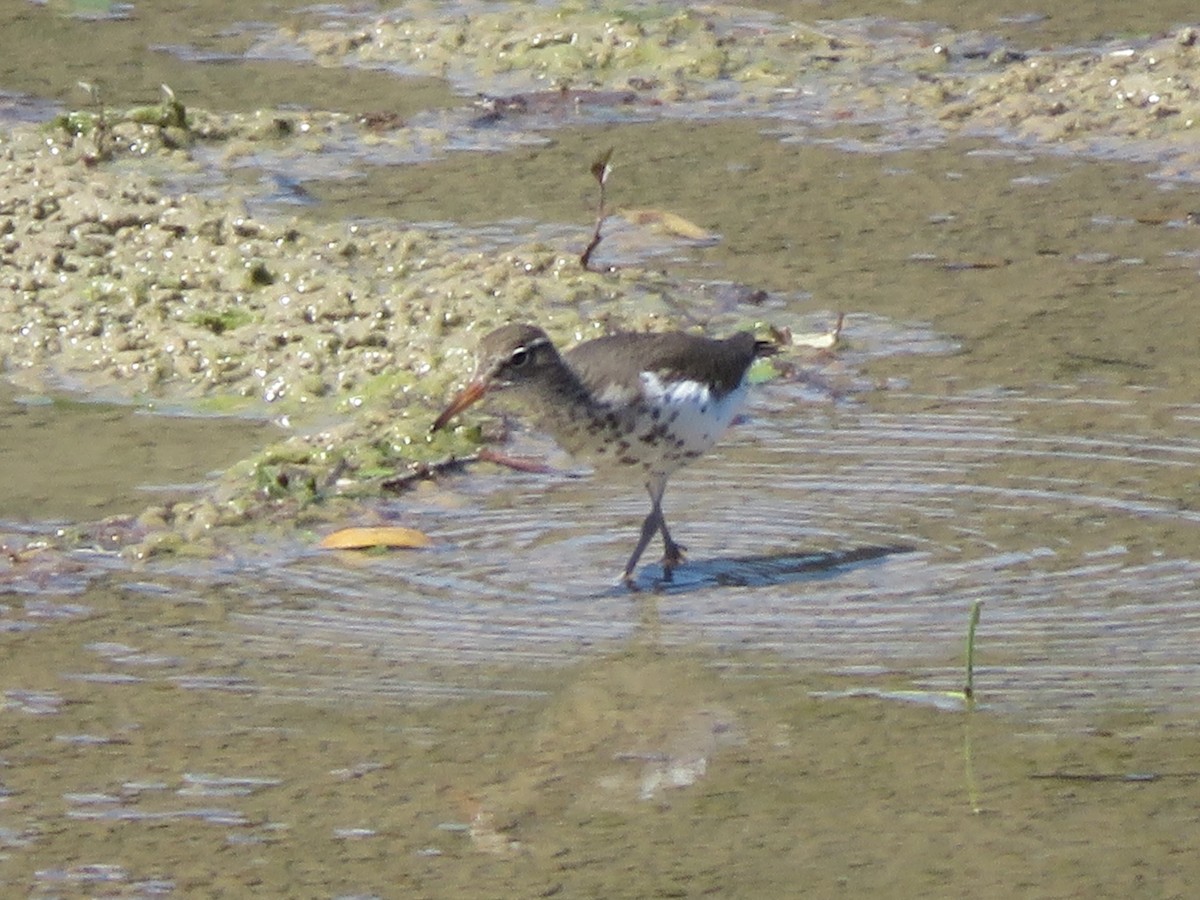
(672, 552)
(654, 521)
(649, 526)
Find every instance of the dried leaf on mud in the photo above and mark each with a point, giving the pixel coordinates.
(667, 223)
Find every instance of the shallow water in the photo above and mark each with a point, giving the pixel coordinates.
(1013, 420)
(68, 460)
(852, 540)
(495, 708)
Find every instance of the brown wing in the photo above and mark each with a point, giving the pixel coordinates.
(619, 360)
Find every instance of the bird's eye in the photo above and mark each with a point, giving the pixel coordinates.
(519, 358)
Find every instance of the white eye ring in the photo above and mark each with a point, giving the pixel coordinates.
(519, 358)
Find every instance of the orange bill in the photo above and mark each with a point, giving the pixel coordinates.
(469, 395)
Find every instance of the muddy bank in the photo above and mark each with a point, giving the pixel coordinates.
(123, 284)
(727, 60)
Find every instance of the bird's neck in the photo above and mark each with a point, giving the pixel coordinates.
(560, 395)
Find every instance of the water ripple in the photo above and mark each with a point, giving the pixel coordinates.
(852, 539)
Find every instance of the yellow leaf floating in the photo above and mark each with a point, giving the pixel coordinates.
(378, 536)
(667, 223)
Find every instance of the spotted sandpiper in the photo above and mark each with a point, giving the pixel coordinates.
(636, 405)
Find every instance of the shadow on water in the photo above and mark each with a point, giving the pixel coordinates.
(770, 569)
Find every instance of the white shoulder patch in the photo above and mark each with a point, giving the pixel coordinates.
(677, 393)
(693, 412)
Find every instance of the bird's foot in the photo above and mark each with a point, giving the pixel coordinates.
(673, 555)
